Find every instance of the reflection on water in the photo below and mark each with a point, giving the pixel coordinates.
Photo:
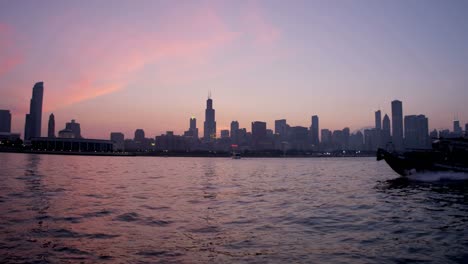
(61, 209)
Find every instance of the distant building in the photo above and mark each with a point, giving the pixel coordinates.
(326, 139)
(356, 141)
(75, 128)
(118, 139)
(466, 130)
(5, 121)
(281, 128)
(385, 136)
(378, 119)
(457, 130)
(192, 132)
(397, 124)
(259, 136)
(139, 136)
(234, 132)
(314, 130)
(34, 118)
(51, 126)
(209, 127)
(171, 142)
(66, 133)
(416, 131)
(298, 138)
(444, 133)
(224, 133)
(71, 144)
(434, 134)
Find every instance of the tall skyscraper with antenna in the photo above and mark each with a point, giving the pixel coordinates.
(209, 131)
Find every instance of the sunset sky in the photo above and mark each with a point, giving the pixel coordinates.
(122, 65)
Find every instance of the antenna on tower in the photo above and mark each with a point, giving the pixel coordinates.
(209, 94)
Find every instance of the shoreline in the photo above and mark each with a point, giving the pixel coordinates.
(185, 154)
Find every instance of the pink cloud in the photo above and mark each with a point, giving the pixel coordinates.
(10, 56)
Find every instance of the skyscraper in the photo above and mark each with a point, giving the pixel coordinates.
(416, 131)
(378, 120)
(258, 134)
(466, 130)
(34, 118)
(193, 127)
(5, 121)
(314, 130)
(397, 124)
(51, 126)
(385, 137)
(234, 132)
(209, 131)
(457, 130)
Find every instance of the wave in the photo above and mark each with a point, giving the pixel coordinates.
(439, 176)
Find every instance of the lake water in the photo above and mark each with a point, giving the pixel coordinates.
(78, 209)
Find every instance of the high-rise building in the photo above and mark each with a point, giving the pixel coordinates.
(193, 127)
(378, 120)
(416, 131)
(51, 126)
(5, 121)
(397, 124)
(298, 138)
(118, 139)
(34, 118)
(224, 133)
(281, 128)
(314, 130)
(326, 138)
(74, 127)
(209, 129)
(139, 136)
(434, 134)
(466, 130)
(259, 134)
(457, 130)
(234, 132)
(385, 134)
(345, 137)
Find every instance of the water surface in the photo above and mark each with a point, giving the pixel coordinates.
(78, 209)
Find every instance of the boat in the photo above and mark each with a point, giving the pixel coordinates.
(447, 154)
(236, 155)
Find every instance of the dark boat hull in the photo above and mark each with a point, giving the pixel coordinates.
(413, 162)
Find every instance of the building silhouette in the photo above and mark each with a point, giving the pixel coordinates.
(281, 129)
(34, 118)
(51, 126)
(209, 127)
(314, 130)
(466, 130)
(235, 132)
(457, 130)
(259, 135)
(385, 135)
(193, 127)
(397, 124)
(118, 139)
(416, 131)
(5, 121)
(74, 127)
(378, 119)
(225, 133)
(139, 136)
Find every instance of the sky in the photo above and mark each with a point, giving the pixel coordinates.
(116, 65)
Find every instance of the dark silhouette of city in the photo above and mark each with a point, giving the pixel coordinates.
(399, 133)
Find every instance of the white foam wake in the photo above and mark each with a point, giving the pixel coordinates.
(439, 176)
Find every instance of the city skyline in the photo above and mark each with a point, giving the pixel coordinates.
(127, 68)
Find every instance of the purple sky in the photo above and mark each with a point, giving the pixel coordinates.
(122, 65)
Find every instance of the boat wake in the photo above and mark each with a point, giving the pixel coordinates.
(438, 176)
